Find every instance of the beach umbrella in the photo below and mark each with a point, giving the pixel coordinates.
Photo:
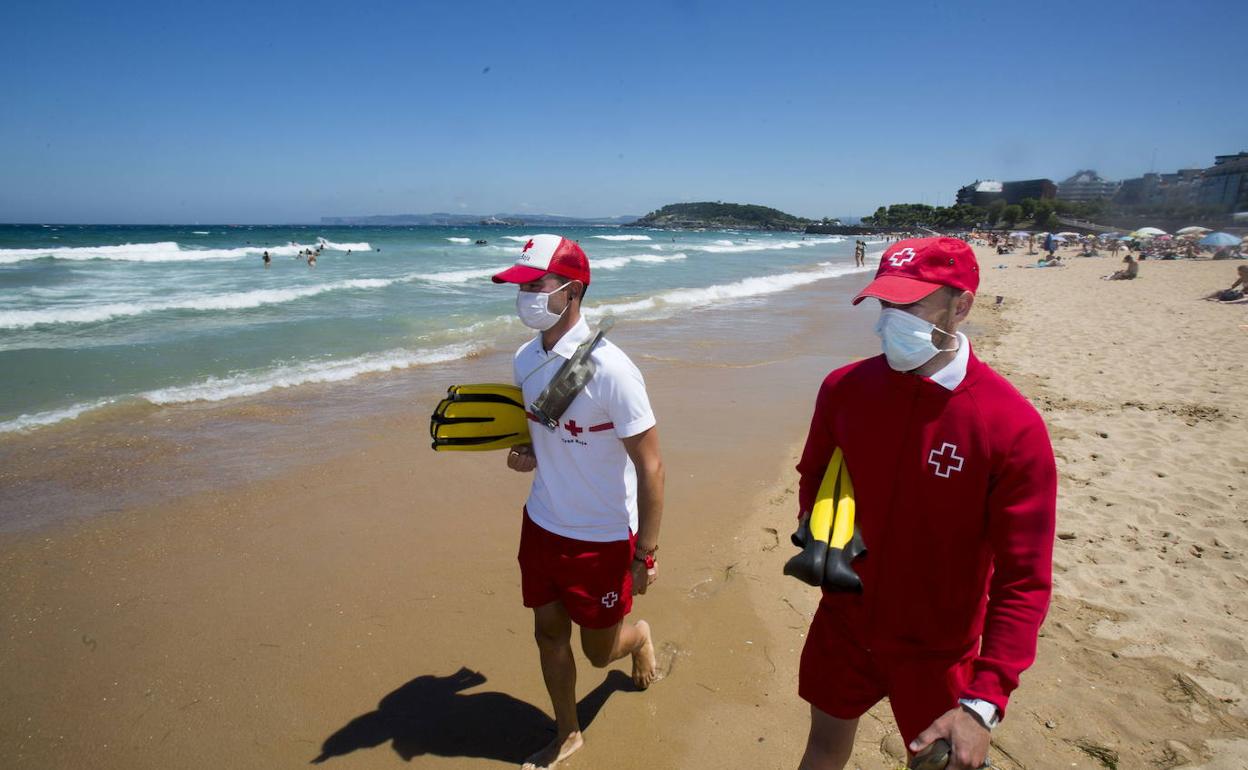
(1193, 230)
(1069, 234)
(1148, 232)
(1220, 239)
(1059, 238)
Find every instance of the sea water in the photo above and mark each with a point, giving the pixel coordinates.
(99, 316)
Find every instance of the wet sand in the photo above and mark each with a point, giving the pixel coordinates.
(359, 603)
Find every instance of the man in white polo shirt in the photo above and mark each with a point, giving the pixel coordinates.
(591, 523)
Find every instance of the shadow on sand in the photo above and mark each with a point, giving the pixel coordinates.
(431, 715)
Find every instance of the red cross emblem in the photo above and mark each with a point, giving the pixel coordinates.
(571, 427)
(902, 257)
(527, 246)
(945, 464)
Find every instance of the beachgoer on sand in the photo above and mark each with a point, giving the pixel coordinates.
(1128, 273)
(591, 523)
(955, 487)
(1234, 293)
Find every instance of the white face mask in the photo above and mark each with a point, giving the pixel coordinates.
(531, 307)
(907, 339)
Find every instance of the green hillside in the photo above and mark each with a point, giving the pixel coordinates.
(721, 215)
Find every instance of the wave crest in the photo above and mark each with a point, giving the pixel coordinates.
(243, 300)
(168, 251)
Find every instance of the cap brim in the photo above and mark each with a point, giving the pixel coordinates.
(519, 274)
(897, 289)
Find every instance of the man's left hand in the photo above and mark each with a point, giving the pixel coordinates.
(642, 577)
(965, 734)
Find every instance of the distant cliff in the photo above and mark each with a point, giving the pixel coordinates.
(721, 215)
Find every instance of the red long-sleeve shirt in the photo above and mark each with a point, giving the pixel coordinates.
(956, 495)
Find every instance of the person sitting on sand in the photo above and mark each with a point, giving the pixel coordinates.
(1234, 293)
(591, 524)
(1128, 273)
(955, 487)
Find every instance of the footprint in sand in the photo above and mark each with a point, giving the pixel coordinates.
(666, 660)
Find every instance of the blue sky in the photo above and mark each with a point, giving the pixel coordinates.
(284, 112)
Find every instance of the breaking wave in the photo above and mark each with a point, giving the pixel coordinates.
(243, 300)
(615, 263)
(661, 305)
(254, 383)
(168, 251)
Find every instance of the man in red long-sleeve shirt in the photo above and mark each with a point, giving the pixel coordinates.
(955, 490)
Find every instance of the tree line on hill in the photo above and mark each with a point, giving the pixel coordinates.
(718, 214)
(1042, 214)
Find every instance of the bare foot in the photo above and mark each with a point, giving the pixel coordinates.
(555, 752)
(643, 658)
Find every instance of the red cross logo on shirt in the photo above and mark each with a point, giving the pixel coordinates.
(571, 427)
(610, 599)
(945, 463)
(906, 254)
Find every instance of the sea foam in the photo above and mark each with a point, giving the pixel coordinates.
(243, 300)
(291, 375)
(254, 383)
(665, 304)
(167, 251)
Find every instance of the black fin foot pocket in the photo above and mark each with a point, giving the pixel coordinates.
(808, 566)
(838, 575)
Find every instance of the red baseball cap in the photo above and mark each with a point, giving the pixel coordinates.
(544, 254)
(914, 268)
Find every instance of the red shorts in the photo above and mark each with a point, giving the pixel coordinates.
(593, 581)
(843, 679)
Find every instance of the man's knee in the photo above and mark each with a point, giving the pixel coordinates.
(599, 644)
(552, 629)
(597, 655)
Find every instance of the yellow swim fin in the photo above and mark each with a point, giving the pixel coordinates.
(478, 418)
(828, 538)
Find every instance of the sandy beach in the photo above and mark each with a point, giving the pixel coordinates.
(358, 603)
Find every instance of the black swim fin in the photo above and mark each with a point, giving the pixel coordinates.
(828, 537)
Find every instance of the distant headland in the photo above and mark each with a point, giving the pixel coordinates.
(717, 215)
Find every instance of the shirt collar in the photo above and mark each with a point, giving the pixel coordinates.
(570, 341)
(951, 374)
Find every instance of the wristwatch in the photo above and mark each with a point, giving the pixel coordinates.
(985, 712)
(646, 557)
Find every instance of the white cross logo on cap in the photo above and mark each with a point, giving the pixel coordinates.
(909, 252)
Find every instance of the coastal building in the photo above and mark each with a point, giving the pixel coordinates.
(1180, 188)
(979, 193)
(1086, 185)
(984, 192)
(1225, 183)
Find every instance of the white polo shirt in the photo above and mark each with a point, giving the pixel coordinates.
(585, 485)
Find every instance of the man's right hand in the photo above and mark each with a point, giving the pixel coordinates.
(521, 458)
